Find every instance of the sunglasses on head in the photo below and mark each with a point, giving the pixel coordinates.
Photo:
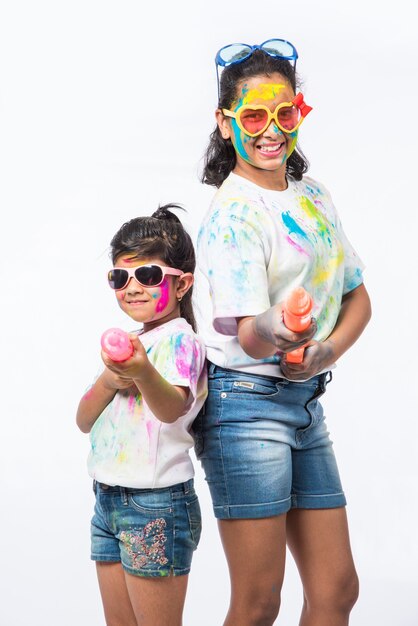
(146, 275)
(238, 52)
(254, 119)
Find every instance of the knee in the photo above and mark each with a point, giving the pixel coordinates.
(257, 610)
(337, 596)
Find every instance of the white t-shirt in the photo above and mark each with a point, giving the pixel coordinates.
(254, 247)
(129, 445)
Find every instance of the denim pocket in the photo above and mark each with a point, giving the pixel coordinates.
(152, 501)
(195, 519)
(250, 388)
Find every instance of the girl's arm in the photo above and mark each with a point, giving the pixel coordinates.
(167, 402)
(353, 318)
(96, 399)
(263, 335)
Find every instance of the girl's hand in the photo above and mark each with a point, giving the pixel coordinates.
(132, 368)
(318, 356)
(270, 327)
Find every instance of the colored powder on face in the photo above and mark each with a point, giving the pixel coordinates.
(263, 91)
(164, 297)
(239, 139)
(293, 143)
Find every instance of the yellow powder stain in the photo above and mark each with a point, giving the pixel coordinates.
(323, 275)
(264, 91)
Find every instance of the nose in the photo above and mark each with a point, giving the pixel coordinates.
(134, 286)
(272, 129)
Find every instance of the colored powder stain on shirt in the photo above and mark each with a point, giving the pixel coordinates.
(322, 225)
(183, 352)
(292, 226)
(296, 246)
(131, 403)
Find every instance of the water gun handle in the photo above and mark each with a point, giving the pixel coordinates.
(117, 345)
(297, 317)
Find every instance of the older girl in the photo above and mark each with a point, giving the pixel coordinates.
(262, 437)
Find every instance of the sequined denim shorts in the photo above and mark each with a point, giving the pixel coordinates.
(152, 532)
(264, 445)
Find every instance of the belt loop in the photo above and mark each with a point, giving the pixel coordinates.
(211, 368)
(124, 496)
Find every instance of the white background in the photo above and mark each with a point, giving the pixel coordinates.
(105, 111)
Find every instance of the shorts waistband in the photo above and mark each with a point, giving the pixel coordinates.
(216, 371)
(185, 488)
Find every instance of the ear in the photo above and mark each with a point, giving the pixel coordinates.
(223, 124)
(184, 283)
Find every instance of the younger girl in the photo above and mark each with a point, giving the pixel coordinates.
(147, 522)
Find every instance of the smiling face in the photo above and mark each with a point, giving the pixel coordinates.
(261, 159)
(151, 305)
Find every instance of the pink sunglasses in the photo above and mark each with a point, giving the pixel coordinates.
(147, 275)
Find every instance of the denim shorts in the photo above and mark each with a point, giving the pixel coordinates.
(152, 532)
(264, 445)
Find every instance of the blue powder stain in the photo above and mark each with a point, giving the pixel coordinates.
(239, 146)
(292, 226)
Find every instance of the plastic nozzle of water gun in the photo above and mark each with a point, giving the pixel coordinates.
(297, 317)
(117, 345)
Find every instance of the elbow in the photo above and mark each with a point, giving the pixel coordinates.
(84, 426)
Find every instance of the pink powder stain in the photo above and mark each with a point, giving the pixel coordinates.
(88, 394)
(164, 297)
(149, 428)
(187, 359)
(131, 403)
(297, 246)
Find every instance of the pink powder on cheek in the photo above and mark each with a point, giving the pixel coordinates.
(164, 297)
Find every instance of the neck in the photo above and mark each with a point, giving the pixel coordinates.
(274, 180)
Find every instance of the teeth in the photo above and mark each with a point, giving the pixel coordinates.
(269, 148)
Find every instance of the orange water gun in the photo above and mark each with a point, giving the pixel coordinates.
(297, 317)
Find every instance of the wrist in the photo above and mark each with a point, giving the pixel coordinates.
(145, 374)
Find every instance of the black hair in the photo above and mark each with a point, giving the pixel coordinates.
(220, 156)
(160, 235)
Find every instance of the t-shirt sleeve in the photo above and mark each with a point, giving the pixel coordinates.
(353, 265)
(180, 359)
(236, 255)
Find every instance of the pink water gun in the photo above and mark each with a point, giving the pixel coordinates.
(297, 317)
(117, 345)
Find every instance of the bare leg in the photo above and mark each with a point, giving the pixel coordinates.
(256, 551)
(157, 601)
(116, 603)
(320, 544)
